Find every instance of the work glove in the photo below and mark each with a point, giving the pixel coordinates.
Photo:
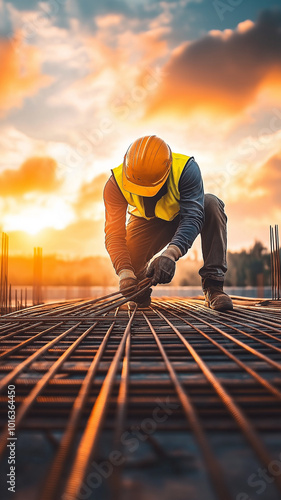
(128, 282)
(162, 269)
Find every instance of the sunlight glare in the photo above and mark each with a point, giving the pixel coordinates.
(34, 220)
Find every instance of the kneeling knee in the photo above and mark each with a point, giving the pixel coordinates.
(214, 209)
(212, 202)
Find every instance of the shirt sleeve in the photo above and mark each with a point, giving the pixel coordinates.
(115, 226)
(191, 206)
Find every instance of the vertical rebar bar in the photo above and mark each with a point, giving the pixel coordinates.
(6, 272)
(275, 263)
(10, 298)
(1, 277)
(275, 266)
(4, 275)
(37, 276)
(277, 260)
(271, 263)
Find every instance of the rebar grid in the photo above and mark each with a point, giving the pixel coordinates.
(87, 368)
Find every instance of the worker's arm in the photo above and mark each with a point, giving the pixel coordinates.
(115, 228)
(191, 207)
(162, 269)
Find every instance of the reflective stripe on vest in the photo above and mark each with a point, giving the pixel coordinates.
(168, 207)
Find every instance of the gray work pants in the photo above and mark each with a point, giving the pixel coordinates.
(145, 238)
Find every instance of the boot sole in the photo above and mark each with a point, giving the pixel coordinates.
(222, 305)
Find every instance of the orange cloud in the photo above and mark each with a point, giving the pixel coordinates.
(258, 206)
(268, 181)
(90, 194)
(35, 174)
(223, 71)
(121, 55)
(20, 74)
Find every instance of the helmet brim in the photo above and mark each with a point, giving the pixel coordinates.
(147, 191)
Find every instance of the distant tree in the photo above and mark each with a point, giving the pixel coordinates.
(245, 266)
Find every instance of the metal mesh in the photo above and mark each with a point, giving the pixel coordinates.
(172, 401)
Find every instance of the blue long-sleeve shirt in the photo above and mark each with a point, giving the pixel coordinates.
(191, 215)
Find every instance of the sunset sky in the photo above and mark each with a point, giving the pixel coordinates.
(80, 80)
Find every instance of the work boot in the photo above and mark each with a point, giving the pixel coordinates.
(143, 300)
(215, 297)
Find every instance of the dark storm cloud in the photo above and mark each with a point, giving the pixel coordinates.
(223, 72)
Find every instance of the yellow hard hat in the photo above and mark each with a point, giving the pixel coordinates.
(146, 165)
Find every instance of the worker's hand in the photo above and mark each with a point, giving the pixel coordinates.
(128, 282)
(162, 269)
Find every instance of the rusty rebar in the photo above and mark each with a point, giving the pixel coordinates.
(54, 476)
(37, 276)
(275, 263)
(4, 274)
(102, 371)
(212, 466)
(236, 412)
(96, 419)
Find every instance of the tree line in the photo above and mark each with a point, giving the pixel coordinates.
(249, 267)
(245, 268)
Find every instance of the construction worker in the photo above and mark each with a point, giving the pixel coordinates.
(163, 192)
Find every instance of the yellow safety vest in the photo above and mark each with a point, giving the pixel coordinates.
(168, 207)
